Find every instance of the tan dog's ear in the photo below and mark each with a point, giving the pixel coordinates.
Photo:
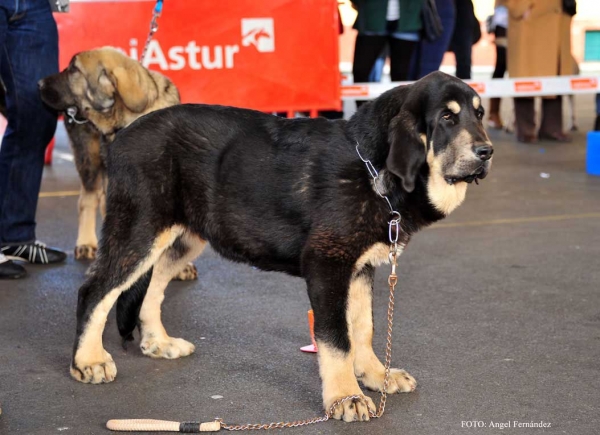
(132, 86)
(106, 85)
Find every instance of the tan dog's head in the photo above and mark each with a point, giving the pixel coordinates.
(99, 80)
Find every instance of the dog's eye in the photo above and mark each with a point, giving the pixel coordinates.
(480, 115)
(448, 116)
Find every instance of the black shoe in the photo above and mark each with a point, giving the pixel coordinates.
(35, 253)
(597, 123)
(10, 270)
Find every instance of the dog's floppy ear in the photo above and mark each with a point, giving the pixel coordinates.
(132, 83)
(407, 147)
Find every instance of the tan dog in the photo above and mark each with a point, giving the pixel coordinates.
(101, 92)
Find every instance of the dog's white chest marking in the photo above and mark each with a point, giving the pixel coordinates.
(376, 255)
(443, 196)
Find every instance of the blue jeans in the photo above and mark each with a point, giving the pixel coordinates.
(29, 44)
(429, 55)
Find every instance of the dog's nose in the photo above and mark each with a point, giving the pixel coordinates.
(484, 152)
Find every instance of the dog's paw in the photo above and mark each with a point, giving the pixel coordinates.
(100, 371)
(188, 273)
(351, 409)
(400, 381)
(167, 347)
(85, 252)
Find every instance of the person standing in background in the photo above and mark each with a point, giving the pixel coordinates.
(29, 41)
(466, 33)
(539, 37)
(395, 22)
(499, 28)
(428, 55)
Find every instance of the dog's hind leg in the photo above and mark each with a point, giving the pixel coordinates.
(367, 367)
(119, 265)
(155, 342)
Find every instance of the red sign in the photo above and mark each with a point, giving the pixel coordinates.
(479, 87)
(584, 83)
(269, 55)
(355, 91)
(528, 86)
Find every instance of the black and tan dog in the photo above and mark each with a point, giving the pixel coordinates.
(289, 195)
(101, 92)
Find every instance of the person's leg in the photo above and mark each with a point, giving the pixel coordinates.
(400, 54)
(551, 126)
(525, 119)
(597, 123)
(29, 53)
(432, 53)
(495, 120)
(366, 50)
(462, 40)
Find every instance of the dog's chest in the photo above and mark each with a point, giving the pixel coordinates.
(376, 255)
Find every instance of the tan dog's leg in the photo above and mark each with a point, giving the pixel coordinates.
(155, 342)
(87, 241)
(91, 363)
(367, 367)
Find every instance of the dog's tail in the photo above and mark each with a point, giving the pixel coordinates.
(128, 307)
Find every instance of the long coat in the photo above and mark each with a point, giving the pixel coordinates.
(541, 44)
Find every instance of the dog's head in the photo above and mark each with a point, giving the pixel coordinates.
(97, 80)
(439, 124)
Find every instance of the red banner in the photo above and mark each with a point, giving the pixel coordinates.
(269, 55)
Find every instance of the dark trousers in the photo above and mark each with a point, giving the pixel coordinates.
(500, 69)
(551, 123)
(428, 56)
(368, 48)
(29, 42)
(462, 40)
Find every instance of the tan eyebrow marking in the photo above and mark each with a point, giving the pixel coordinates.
(476, 102)
(453, 106)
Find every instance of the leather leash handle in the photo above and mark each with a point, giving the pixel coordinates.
(149, 425)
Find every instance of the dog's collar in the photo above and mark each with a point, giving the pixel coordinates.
(394, 223)
(72, 114)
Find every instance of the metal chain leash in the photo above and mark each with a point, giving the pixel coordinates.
(153, 27)
(392, 281)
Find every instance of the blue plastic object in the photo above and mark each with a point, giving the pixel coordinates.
(593, 153)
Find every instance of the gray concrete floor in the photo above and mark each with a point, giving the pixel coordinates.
(498, 318)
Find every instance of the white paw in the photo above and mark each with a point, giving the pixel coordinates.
(188, 273)
(94, 371)
(400, 381)
(353, 409)
(166, 347)
(85, 252)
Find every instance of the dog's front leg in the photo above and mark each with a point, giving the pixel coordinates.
(328, 283)
(367, 367)
(87, 241)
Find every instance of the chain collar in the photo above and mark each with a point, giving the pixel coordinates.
(72, 113)
(394, 224)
